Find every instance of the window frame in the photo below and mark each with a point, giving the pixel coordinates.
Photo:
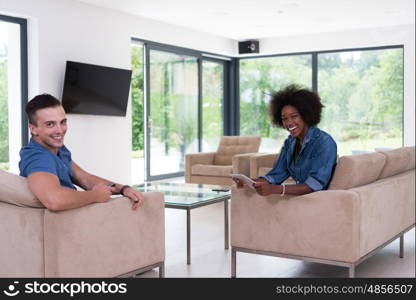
(23, 71)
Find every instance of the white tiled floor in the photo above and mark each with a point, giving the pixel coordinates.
(210, 259)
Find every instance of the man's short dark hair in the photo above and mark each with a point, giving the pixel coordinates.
(39, 102)
(307, 102)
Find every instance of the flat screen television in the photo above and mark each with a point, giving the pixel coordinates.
(95, 90)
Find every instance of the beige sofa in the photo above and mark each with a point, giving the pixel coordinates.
(232, 156)
(98, 240)
(370, 202)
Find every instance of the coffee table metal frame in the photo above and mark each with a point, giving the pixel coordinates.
(189, 207)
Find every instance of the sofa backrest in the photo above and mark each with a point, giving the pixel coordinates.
(356, 170)
(398, 161)
(232, 145)
(14, 189)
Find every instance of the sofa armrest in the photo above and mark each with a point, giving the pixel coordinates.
(241, 163)
(205, 158)
(21, 236)
(105, 239)
(387, 208)
(323, 225)
(261, 160)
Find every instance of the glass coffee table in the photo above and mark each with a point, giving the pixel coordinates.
(189, 196)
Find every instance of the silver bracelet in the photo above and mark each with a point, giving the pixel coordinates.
(284, 190)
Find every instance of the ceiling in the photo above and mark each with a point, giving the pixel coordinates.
(256, 19)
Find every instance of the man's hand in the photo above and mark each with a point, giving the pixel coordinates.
(134, 195)
(102, 191)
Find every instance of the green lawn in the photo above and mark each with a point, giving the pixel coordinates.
(137, 154)
(4, 166)
(345, 148)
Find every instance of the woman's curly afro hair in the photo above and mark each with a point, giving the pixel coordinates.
(307, 102)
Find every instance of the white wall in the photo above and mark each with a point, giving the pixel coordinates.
(68, 30)
(399, 35)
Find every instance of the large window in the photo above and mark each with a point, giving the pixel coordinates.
(363, 96)
(13, 88)
(362, 91)
(258, 79)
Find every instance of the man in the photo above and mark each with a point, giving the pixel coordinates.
(47, 163)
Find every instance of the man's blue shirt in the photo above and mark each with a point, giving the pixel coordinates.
(313, 165)
(36, 158)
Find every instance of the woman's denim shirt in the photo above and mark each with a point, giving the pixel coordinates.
(313, 165)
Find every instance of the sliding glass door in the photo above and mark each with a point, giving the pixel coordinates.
(178, 98)
(212, 104)
(172, 111)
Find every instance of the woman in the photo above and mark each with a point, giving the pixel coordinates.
(308, 154)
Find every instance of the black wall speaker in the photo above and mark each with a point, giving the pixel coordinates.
(248, 47)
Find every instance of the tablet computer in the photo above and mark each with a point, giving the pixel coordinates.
(250, 182)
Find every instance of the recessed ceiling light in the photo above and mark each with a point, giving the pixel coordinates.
(290, 5)
(392, 12)
(220, 13)
(324, 20)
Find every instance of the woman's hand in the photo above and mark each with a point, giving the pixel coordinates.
(240, 184)
(264, 188)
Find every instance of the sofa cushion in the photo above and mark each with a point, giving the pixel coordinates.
(232, 145)
(212, 170)
(14, 189)
(357, 170)
(398, 161)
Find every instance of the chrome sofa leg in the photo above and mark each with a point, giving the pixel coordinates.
(233, 262)
(401, 255)
(352, 271)
(162, 270)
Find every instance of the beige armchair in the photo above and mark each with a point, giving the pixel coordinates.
(262, 163)
(232, 156)
(99, 240)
